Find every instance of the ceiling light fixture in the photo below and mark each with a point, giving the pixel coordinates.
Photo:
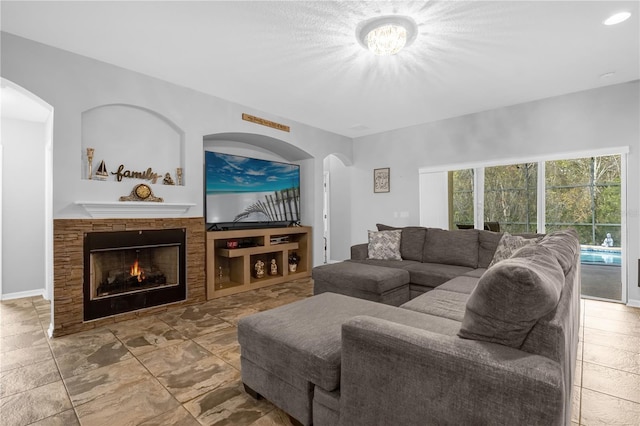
(386, 35)
(617, 18)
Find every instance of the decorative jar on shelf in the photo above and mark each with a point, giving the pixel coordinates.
(293, 262)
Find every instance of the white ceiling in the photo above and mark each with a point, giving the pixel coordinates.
(301, 61)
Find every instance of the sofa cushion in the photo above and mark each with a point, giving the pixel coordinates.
(451, 247)
(384, 245)
(512, 296)
(462, 284)
(508, 245)
(433, 274)
(487, 244)
(397, 264)
(412, 241)
(476, 273)
(564, 245)
(439, 303)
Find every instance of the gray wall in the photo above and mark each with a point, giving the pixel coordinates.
(74, 84)
(589, 120)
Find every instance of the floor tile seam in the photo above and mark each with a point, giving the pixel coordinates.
(2, 353)
(76, 406)
(38, 387)
(611, 332)
(64, 383)
(227, 363)
(636, 352)
(625, 322)
(634, 320)
(611, 368)
(201, 347)
(612, 305)
(44, 384)
(155, 347)
(229, 324)
(53, 415)
(181, 405)
(161, 384)
(609, 395)
(614, 368)
(583, 387)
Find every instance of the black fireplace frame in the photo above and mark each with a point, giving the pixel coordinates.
(128, 302)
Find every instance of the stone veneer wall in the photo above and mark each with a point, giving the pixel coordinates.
(68, 266)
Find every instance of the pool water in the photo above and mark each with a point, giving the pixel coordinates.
(600, 257)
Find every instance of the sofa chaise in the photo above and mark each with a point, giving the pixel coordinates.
(495, 343)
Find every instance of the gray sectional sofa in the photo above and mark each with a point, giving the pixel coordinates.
(472, 344)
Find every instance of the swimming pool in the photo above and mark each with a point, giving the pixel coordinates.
(595, 256)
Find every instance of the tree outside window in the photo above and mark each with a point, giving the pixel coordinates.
(510, 197)
(584, 194)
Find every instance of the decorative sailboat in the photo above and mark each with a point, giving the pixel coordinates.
(102, 173)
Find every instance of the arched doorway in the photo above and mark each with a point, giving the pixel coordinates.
(26, 193)
(336, 209)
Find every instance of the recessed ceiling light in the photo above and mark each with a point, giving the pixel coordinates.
(617, 18)
(608, 74)
(387, 35)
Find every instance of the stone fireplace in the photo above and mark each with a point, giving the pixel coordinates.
(129, 270)
(163, 277)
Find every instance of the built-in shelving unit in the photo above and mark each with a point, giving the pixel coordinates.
(231, 268)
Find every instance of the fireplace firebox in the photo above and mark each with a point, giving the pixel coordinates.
(130, 270)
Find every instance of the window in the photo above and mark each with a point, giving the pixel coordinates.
(584, 194)
(461, 198)
(510, 197)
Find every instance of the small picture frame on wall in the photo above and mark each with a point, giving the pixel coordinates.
(381, 180)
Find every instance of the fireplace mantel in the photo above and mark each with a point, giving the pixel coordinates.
(133, 209)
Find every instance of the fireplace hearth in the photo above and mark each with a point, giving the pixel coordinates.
(131, 270)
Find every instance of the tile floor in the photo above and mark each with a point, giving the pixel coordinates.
(182, 367)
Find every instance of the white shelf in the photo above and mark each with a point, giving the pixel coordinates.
(133, 209)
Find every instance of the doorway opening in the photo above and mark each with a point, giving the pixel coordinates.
(27, 221)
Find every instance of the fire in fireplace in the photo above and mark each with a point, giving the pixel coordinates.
(130, 270)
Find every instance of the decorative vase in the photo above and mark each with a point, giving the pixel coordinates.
(293, 267)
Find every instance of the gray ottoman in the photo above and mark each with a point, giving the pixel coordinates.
(370, 282)
(287, 353)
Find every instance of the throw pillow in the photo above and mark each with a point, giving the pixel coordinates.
(508, 245)
(512, 296)
(411, 241)
(384, 245)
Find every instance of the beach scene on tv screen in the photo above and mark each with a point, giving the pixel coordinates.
(243, 189)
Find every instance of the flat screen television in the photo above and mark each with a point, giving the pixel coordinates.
(243, 192)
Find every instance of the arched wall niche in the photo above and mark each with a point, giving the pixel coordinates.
(260, 143)
(133, 136)
(269, 148)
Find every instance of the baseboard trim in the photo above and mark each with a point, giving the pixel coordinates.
(633, 303)
(22, 294)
